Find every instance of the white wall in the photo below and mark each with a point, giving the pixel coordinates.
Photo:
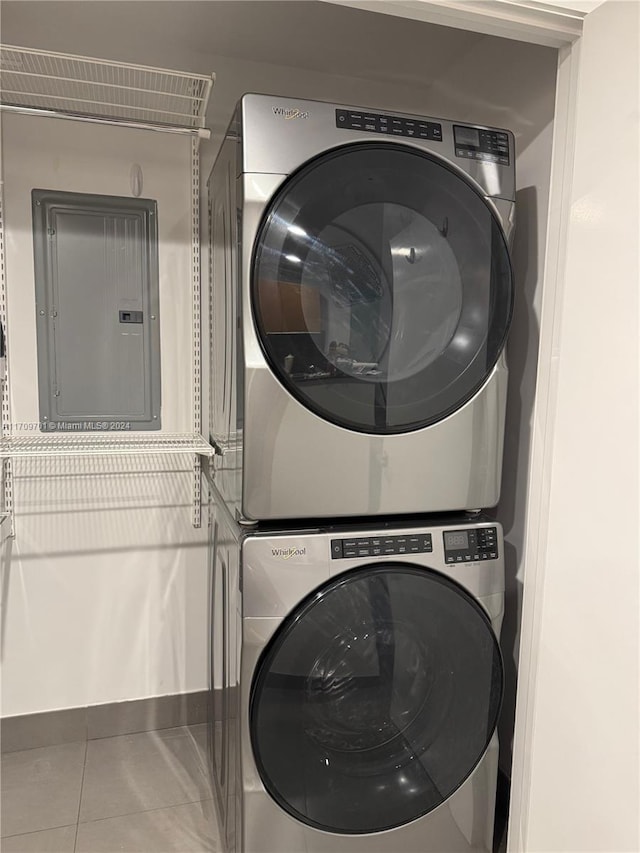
(532, 201)
(105, 595)
(577, 748)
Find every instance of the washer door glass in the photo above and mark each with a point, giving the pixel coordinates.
(375, 699)
(382, 287)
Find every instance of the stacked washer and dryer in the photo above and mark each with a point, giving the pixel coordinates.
(361, 297)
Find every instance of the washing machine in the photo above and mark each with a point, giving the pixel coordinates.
(357, 681)
(361, 297)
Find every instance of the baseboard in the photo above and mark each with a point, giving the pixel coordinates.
(28, 731)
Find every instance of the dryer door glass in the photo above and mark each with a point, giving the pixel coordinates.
(375, 699)
(382, 288)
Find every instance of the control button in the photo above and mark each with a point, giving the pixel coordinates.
(476, 556)
(414, 540)
(375, 552)
(350, 552)
(458, 559)
(363, 543)
(389, 550)
(349, 543)
(389, 541)
(415, 549)
(467, 556)
(493, 555)
(402, 549)
(364, 552)
(397, 125)
(504, 161)
(336, 549)
(376, 541)
(450, 559)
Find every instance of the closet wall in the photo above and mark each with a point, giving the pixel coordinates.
(103, 593)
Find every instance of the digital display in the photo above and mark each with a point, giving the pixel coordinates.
(467, 136)
(456, 540)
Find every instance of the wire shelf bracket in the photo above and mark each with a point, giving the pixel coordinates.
(5, 422)
(196, 321)
(61, 85)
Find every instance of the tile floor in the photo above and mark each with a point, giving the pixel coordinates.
(140, 793)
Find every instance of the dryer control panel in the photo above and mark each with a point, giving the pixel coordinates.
(389, 124)
(468, 545)
(378, 546)
(478, 143)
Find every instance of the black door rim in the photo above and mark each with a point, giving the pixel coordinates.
(297, 616)
(281, 193)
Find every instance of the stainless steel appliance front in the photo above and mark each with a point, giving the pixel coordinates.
(361, 297)
(356, 697)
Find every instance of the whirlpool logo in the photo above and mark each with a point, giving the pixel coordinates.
(289, 114)
(288, 553)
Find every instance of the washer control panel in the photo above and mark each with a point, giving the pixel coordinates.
(389, 124)
(476, 143)
(468, 545)
(379, 546)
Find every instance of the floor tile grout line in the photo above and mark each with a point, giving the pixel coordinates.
(146, 811)
(33, 831)
(84, 767)
(5, 752)
(102, 737)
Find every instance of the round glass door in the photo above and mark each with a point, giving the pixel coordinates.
(375, 699)
(382, 288)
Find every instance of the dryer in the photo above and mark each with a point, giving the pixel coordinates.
(362, 293)
(357, 684)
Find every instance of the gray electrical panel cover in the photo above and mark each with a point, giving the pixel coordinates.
(97, 304)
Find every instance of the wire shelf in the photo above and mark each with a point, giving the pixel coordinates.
(80, 86)
(103, 444)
